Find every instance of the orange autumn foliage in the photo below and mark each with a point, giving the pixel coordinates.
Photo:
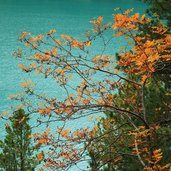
(92, 84)
(40, 156)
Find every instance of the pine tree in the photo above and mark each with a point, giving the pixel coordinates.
(16, 149)
(162, 8)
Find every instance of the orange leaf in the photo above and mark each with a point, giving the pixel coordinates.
(40, 156)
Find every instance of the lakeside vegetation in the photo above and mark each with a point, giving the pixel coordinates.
(131, 88)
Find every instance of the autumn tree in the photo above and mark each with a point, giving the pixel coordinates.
(92, 84)
(113, 151)
(17, 151)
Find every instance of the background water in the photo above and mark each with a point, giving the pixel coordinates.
(39, 16)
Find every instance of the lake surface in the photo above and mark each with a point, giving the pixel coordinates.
(39, 16)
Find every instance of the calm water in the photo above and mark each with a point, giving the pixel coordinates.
(39, 16)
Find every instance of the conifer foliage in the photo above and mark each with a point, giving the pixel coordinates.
(16, 149)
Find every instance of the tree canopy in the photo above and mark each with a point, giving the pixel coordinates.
(126, 86)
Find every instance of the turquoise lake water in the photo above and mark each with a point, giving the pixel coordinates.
(39, 16)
